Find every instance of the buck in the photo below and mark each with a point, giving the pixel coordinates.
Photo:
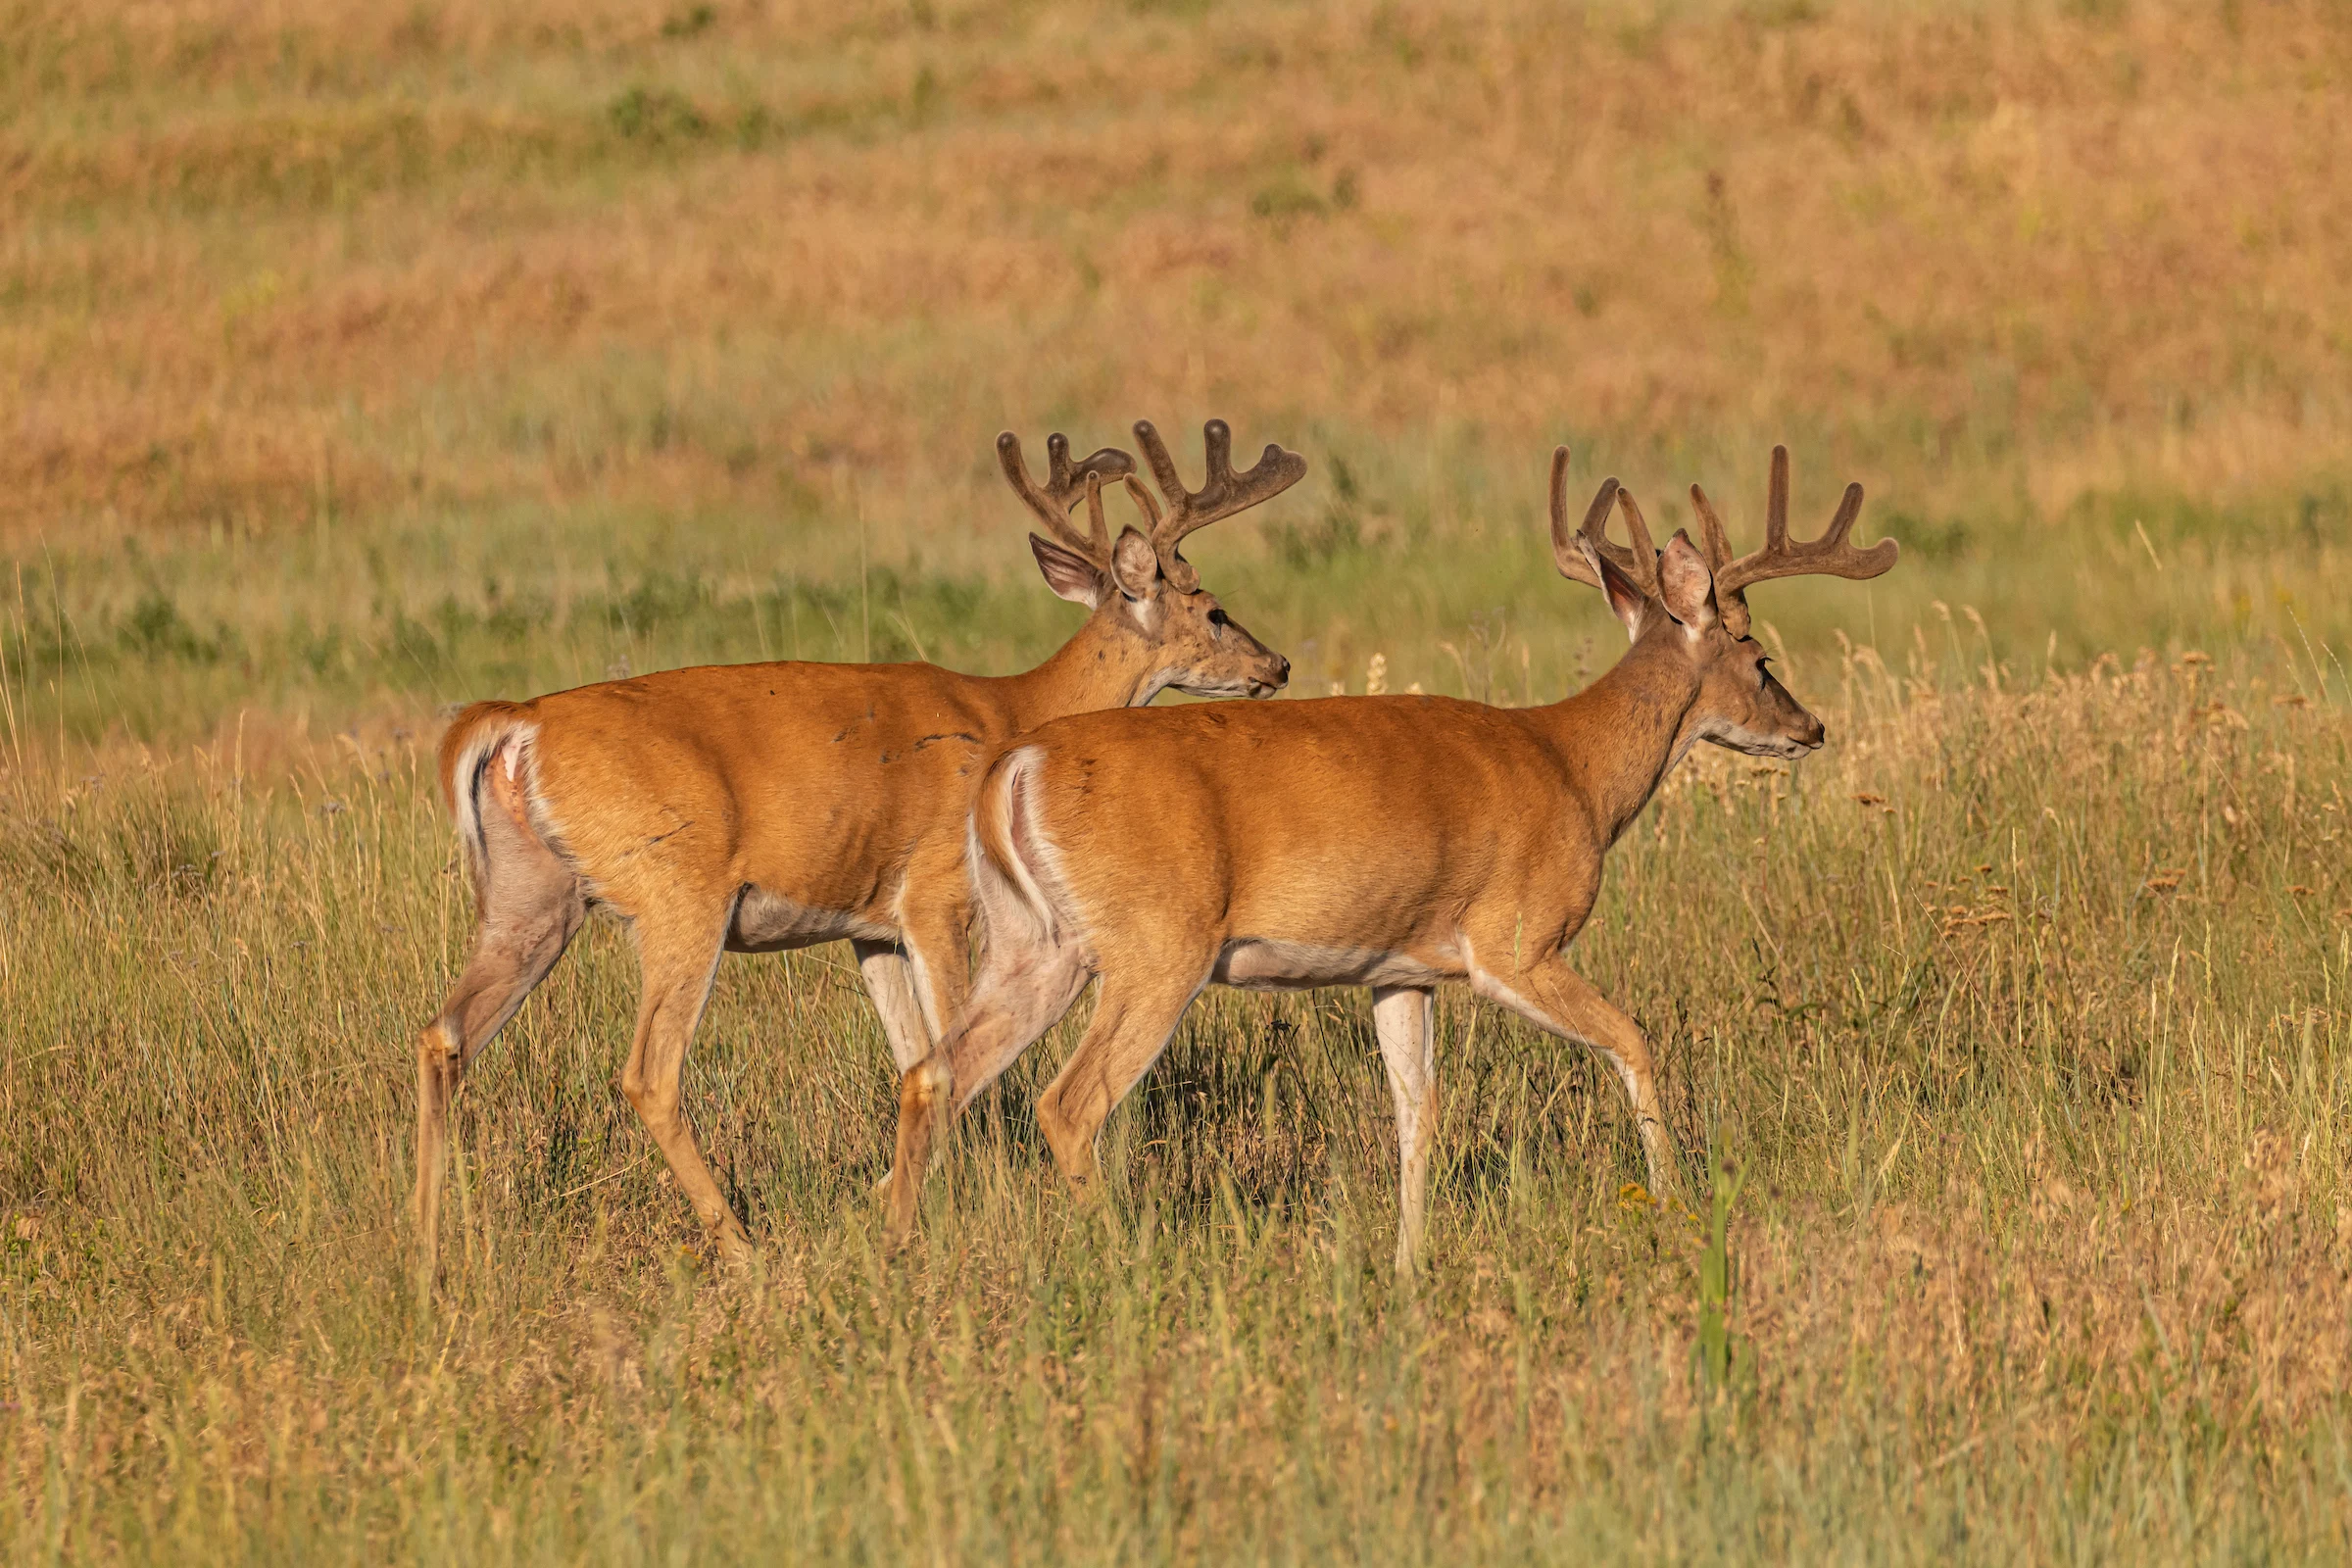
(1391, 842)
(754, 808)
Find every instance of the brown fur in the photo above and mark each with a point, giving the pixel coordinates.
(1386, 841)
(760, 806)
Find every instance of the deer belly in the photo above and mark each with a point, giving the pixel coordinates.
(767, 922)
(1261, 964)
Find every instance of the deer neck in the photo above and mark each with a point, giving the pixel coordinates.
(1621, 735)
(1106, 666)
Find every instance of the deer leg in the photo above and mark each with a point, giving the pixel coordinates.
(890, 982)
(531, 908)
(937, 945)
(1016, 1001)
(1558, 999)
(1405, 1020)
(1023, 986)
(929, 964)
(677, 968)
(1136, 1013)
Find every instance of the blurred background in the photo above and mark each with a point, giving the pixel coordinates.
(366, 357)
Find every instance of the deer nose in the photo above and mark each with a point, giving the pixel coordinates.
(1816, 736)
(1282, 670)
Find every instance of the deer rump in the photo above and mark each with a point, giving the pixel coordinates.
(796, 813)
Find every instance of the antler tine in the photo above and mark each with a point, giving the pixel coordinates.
(1710, 528)
(1163, 466)
(1065, 484)
(1639, 563)
(1224, 494)
(1216, 449)
(1096, 526)
(1776, 503)
(1143, 504)
(1830, 556)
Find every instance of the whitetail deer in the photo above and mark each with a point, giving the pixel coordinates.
(1391, 842)
(754, 808)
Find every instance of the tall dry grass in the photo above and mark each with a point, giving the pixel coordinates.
(324, 317)
(269, 263)
(370, 359)
(2021, 1009)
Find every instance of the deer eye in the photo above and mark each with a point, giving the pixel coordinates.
(1217, 622)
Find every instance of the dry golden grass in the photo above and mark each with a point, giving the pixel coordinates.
(370, 358)
(267, 261)
(2022, 1009)
(373, 359)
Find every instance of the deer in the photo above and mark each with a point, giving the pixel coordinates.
(758, 807)
(1393, 842)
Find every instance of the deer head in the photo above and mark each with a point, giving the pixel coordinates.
(1140, 589)
(1691, 608)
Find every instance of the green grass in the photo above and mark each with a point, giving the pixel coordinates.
(177, 639)
(373, 359)
(2035, 1061)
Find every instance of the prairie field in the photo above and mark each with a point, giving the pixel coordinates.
(368, 360)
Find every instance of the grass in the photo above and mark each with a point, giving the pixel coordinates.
(373, 359)
(2020, 1013)
(361, 320)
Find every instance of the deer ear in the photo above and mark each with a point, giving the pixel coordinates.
(1068, 573)
(1626, 599)
(1135, 565)
(1684, 585)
